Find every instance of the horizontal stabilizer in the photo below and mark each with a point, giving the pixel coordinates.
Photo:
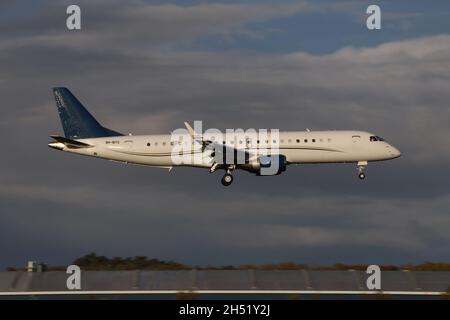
(74, 144)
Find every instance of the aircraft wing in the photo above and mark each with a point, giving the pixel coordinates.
(222, 150)
(219, 150)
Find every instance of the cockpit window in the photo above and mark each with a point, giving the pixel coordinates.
(376, 138)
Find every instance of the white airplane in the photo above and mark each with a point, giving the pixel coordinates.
(85, 136)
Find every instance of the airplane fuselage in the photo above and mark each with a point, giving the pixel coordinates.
(298, 147)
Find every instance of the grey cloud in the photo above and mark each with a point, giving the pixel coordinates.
(137, 25)
(92, 218)
(56, 206)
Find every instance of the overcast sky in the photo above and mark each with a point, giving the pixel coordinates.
(146, 66)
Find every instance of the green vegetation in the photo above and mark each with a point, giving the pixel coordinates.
(428, 266)
(94, 262)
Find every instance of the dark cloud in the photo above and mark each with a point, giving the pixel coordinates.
(128, 68)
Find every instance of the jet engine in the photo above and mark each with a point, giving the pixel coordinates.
(267, 165)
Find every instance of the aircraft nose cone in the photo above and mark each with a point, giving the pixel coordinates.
(395, 153)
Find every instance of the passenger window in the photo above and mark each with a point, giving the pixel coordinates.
(290, 140)
(298, 140)
(306, 140)
(148, 144)
(313, 140)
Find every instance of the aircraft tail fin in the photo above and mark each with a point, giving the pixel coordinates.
(76, 121)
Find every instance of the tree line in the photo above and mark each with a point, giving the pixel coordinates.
(95, 262)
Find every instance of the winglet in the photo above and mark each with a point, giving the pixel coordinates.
(190, 129)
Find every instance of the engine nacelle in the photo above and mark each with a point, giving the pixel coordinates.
(268, 165)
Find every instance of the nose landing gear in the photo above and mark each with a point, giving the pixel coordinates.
(361, 166)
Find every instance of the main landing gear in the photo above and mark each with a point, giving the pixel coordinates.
(361, 166)
(227, 179)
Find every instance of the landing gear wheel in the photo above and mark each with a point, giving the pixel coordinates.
(227, 179)
(361, 166)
